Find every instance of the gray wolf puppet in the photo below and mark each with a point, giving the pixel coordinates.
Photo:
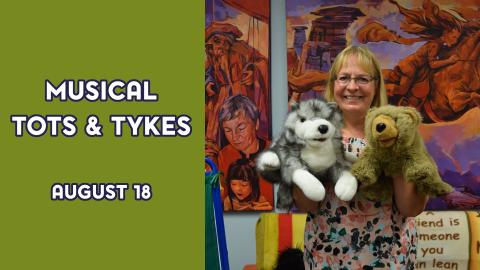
(309, 151)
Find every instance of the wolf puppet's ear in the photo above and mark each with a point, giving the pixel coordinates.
(290, 135)
(336, 113)
(289, 129)
(294, 106)
(332, 105)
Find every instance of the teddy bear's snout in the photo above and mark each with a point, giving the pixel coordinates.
(381, 127)
(323, 129)
(384, 130)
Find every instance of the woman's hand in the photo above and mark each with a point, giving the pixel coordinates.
(409, 201)
(303, 203)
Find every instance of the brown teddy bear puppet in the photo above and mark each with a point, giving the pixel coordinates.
(395, 147)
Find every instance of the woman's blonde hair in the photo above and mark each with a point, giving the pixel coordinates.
(367, 62)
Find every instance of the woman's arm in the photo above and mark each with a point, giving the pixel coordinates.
(409, 202)
(303, 203)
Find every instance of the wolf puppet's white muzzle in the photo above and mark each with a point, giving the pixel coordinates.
(315, 130)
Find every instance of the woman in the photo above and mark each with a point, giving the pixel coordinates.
(360, 234)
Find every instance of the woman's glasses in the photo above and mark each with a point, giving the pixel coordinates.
(361, 80)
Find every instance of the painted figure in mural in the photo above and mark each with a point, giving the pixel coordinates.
(313, 59)
(441, 35)
(441, 78)
(311, 63)
(239, 120)
(232, 68)
(243, 189)
(309, 59)
(360, 234)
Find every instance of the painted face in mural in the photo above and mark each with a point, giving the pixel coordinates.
(241, 132)
(217, 45)
(450, 36)
(241, 188)
(354, 88)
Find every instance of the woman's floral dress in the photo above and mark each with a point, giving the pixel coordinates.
(359, 234)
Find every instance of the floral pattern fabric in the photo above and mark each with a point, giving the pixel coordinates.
(359, 234)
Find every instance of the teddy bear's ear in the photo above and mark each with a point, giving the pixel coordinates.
(294, 106)
(372, 109)
(368, 122)
(370, 113)
(414, 114)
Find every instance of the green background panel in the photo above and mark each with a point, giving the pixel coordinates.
(161, 41)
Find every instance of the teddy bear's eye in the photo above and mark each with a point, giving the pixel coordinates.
(302, 119)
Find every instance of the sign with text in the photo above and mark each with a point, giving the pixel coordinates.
(446, 240)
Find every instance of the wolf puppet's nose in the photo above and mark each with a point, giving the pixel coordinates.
(323, 129)
(381, 127)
